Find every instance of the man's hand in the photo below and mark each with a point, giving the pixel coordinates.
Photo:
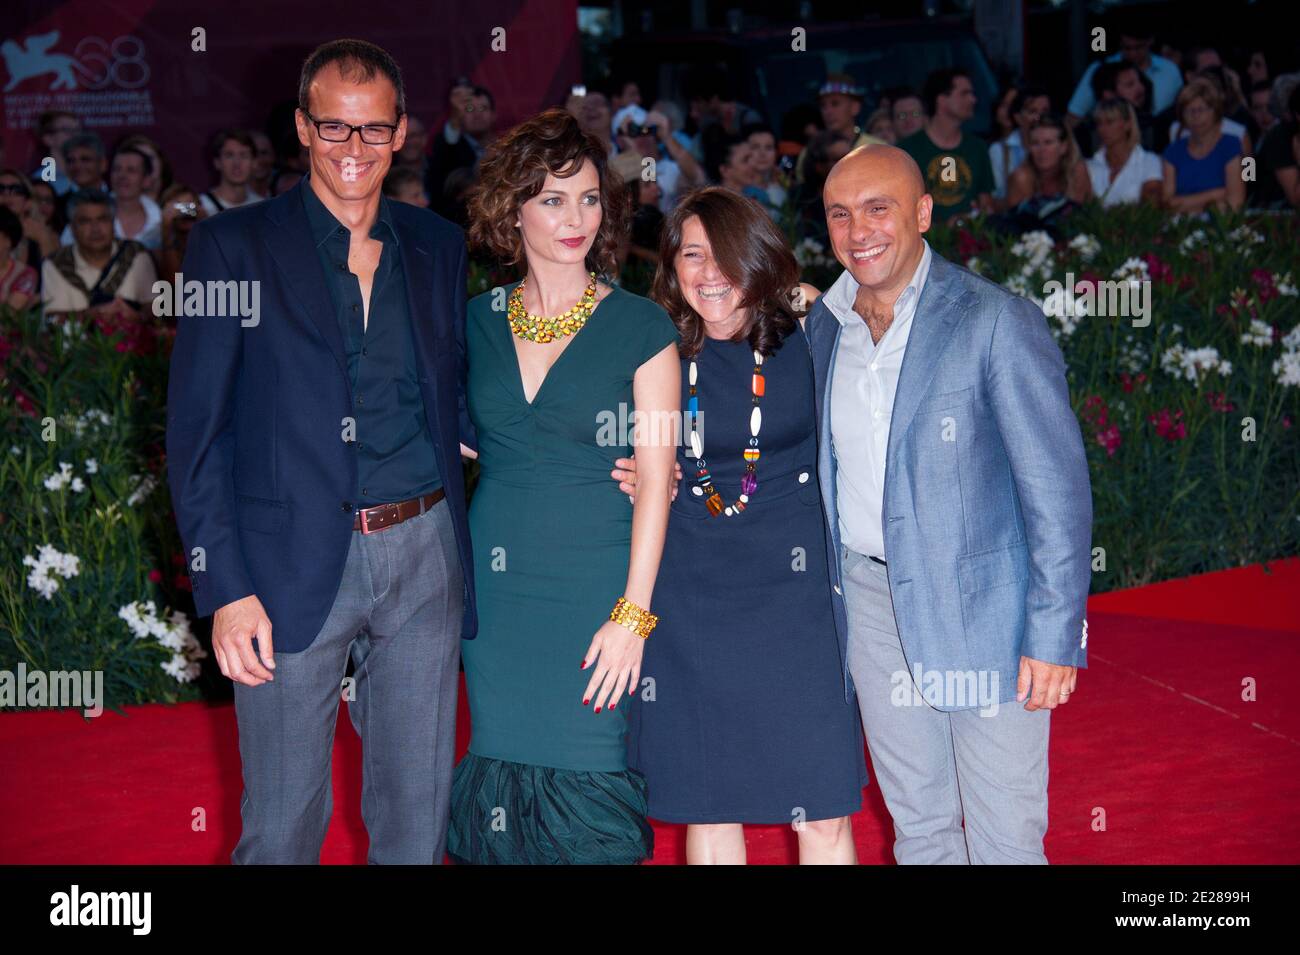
(233, 628)
(1051, 682)
(625, 474)
(663, 127)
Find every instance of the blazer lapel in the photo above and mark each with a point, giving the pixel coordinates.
(937, 313)
(294, 250)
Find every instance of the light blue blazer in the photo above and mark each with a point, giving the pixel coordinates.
(987, 504)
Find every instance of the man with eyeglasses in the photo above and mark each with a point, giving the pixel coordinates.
(314, 456)
(908, 113)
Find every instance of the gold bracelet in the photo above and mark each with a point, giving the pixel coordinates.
(637, 619)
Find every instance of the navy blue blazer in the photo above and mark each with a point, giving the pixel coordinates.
(261, 477)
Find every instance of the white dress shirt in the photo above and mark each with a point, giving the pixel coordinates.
(864, 379)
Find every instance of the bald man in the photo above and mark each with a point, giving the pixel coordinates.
(959, 519)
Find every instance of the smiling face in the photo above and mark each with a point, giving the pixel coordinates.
(713, 296)
(876, 212)
(559, 224)
(85, 167)
(353, 170)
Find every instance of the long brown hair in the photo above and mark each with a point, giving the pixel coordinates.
(753, 255)
(513, 170)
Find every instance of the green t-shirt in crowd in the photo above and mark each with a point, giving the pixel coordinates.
(954, 185)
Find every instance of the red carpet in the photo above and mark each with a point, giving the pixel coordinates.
(1156, 759)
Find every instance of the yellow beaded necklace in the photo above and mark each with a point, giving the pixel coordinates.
(542, 328)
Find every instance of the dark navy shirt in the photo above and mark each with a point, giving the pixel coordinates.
(395, 456)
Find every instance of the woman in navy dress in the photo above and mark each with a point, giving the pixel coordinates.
(741, 715)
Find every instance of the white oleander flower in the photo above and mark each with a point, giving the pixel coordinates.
(1246, 236)
(92, 466)
(1287, 369)
(1194, 364)
(1133, 269)
(1283, 285)
(1291, 340)
(1192, 240)
(1086, 245)
(1035, 249)
(173, 634)
(1260, 334)
(57, 482)
(48, 563)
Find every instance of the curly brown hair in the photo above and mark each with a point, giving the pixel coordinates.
(750, 251)
(513, 170)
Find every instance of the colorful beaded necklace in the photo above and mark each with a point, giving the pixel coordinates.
(542, 328)
(703, 480)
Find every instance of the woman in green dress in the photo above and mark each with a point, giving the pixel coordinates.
(567, 568)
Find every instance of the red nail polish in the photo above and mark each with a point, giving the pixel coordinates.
(586, 701)
(598, 709)
(612, 705)
(582, 665)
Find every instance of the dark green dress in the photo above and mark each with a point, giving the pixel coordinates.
(546, 778)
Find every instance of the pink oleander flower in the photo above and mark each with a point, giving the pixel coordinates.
(1264, 284)
(1129, 382)
(1110, 440)
(1218, 400)
(1171, 427)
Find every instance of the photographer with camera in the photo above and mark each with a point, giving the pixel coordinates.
(651, 134)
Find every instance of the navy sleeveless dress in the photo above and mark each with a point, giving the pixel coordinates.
(741, 714)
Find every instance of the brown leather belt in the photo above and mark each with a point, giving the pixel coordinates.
(386, 515)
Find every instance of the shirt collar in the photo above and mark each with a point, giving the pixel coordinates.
(324, 224)
(842, 294)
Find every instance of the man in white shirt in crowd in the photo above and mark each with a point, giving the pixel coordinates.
(97, 272)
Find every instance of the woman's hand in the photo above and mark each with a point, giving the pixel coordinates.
(616, 652)
(625, 473)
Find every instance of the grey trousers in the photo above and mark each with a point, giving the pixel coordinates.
(398, 614)
(936, 768)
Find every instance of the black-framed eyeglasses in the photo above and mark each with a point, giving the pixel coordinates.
(332, 131)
